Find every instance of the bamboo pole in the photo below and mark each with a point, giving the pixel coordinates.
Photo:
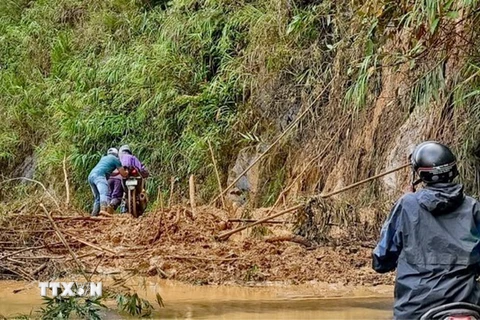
(90, 244)
(365, 181)
(67, 186)
(217, 174)
(172, 185)
(321, 154)
(226, 235)
(254, 220)
(288, 129)
(65, 243)
(191, 183)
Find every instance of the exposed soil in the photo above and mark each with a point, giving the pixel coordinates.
(175, 245)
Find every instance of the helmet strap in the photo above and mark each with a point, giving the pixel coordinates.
(415, 182)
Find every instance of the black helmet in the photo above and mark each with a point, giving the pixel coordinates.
(434, 162)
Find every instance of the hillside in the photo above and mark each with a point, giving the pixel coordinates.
(168, 77)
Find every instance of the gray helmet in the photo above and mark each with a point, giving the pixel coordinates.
(113, 151)
(125, 149)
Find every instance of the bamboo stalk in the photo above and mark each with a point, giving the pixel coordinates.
(226, 235)
(71, 218)
(191, 184)
(214, 161)
(20, 273)
(20, 251)
(61, 237)
(254, 220)
(39, 269)
(172, 184)
(67, 186)
(364, 181)
(321, 154)
(274, 143)
(201, 258)
(90, 244)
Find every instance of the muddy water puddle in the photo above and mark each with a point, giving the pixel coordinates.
(312, 301)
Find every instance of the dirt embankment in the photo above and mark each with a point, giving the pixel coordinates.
(175, 245)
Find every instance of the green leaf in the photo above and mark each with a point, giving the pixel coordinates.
(434, 25)
(370, 46)
(452, 14)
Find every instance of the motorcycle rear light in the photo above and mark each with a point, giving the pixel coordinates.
(134, 171)
(461, 317)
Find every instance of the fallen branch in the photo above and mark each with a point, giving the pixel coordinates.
(20, 251)
(15, 261)
(90, 244)
(72, 217)
(39, 269)
(255, 220)
(41, 257)
(60, 236)
(226, 235)
(19, 273)
(83, 256)
(201, 258)
(292, 238)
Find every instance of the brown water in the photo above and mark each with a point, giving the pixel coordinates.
(312, 301)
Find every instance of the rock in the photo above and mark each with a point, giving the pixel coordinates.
(247, 186)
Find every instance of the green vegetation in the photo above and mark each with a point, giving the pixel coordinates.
(88, 308)
(65, 308)
(79, 76)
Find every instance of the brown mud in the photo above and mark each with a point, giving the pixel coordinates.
(175, 245)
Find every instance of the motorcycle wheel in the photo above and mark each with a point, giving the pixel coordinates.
(132, 202)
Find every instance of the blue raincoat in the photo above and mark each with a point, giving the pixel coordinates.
(432, 238)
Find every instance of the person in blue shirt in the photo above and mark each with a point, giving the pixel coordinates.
(432, 238)
(98, 180)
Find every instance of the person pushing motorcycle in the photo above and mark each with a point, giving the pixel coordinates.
(432, 238)
(115, 181)
(97, 180)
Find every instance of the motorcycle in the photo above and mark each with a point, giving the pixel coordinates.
(453, 311)
(136, 196)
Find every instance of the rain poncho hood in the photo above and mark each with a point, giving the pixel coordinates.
(441, 197)
(432, 238)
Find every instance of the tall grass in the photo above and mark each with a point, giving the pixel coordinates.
(77, 77)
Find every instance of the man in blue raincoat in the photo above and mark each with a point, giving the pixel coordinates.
(432, 238)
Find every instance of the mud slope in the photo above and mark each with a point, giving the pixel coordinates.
(175, 245)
